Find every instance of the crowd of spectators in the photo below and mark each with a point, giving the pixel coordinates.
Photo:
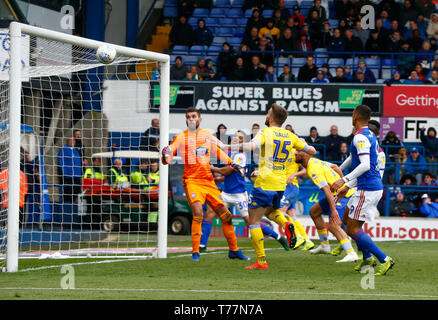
(400, 27)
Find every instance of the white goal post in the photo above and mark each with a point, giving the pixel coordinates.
(15, 95)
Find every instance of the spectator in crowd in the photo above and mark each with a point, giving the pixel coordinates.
(269, 28)
(185, 7)
(239, 71)
(255, 128)
(286, 43)
(303, 44)
(348, 73)
(221, 134)
(242, 52)
(308, 71)
(407, 12)
(326, 35)
(395, 26)
(386, 21)
(413, 79)
(320, 77)
(70, 165)
(297, 16)
(288, 127)
(425, 7)
(279, 21)
(265, 53)
(416, 164)
(286, 75)
(154, 173)
(343, 26)
(336, 44)
(181, 33)
(432, 28)
(359, 77)
(178, 70)
(430, 143)
(406, 61)
(395, 79)
(428, 208)
(428, 181)
(339, 77)
(95, 171)
(402, 159)
(425, 56)
(251, 4)
(151, 135)
(392, 144)
(190, 77)
(394, 42)
(352, 43)
(400, 207)
(360, 33)
(415, 40)
(77, 134)
(203, 35)
(225, 60)
(368, 74)
(333, 144)
(156, 72)
(284, 12)
(433, 78)
(344, 151)
(373, 43)
(314, 138)
(315, 26)
(194, 72)
(256, 72)
(383, 33)
(252, 39)
(421, 72)
(342, 7)
(138, 177)
(116, 175)
(256, 20)
(320, 10)
(270, 75)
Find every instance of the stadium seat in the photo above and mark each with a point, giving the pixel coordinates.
(282, 61)
(178, 49)
(380, 81)
(211, 22)
(222, 4)
(214, 49)
(248, 13)
(333, 23)
(235, 41)
(218, 41)
(200, 13)
(305, 12)
(320, 61)
(376, 72)
(267, 13)
(387, 73)
(234, 13)
(388, 63)
(335, 62)
(372, 63)
(298, 62)
(237, 3)
(241, 22)
(306, 4)
(295, 72)
(227, 22)
(213, 58)
(239, 32)
(197, 50)
(170, 3)
(321, 53)
(225, 32)
(170, 12)
(290, 4)
(193, 21)
(190, 60)
(352, 62)
(218, 13)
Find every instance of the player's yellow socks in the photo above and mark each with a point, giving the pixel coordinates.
(346, 245)
(258, 243)
(301, 229)
(196, 233)
(278, 217)
(323, 236)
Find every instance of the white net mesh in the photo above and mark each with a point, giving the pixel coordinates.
(4, 154)
(92, 175)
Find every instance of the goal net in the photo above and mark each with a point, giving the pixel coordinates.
(80, 141)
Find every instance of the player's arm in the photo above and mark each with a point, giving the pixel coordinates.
(301, 144)
(297, 174)
(222, 156)
(168, 152)
(225, 171)
(336, 169)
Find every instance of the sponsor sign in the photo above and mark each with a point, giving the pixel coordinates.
(391, 124)
(410, 101)
(412, 127)
(256, 98)
(5, 47)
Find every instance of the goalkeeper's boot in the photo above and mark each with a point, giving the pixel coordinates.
(349, 257)
(337, 251)
(367, 262)
(257, 265)
(284, 243)
(321, 249)
(290, 234)
(308, 245)
(383, 268)
(237, 255)
(300, 242)
(203, 249)
(195, 256)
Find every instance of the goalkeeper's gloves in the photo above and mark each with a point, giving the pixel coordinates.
(238, 168)
(167, 151)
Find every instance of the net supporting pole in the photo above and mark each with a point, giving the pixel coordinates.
(164, 170)
(14, 148)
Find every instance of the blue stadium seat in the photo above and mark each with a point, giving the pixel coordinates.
(282, 61)
(248, 13)
(218, 13)
(197, 50)
(218, 41)
(306, 4)
(290, 4)
(267, 13)
(241, 22)
(235, 41)
(234, 13)
(388, 63)
(170, 12)
(335, 62)
(211, 22)
(372, 63)
(214, 49)
(227, 22)
(352, 62)
(295, 72)
(178, 49)
(190, 60)
(237, 3)
(213, 58)
(380, 81)
(304, 12)
(193, 21)
(222, 4)
(387, 73)
(239, 32)
(298, 62)
(321, 53)
(225, 32)
(200, 13)
(376, 72)
(333, 23)
(320, 61)
(170, 3)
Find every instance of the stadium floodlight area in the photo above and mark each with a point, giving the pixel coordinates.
(55, 86)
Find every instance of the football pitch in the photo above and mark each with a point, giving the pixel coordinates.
(293, 275)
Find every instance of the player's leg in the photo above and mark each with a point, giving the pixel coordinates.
(257, 239)
(316, 212)
(207, 225)
(362, 208)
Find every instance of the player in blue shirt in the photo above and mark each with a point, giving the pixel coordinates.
(234, 194)
(362, 205)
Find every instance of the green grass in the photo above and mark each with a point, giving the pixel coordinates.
(291, 275)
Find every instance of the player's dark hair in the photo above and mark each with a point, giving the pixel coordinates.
(279, 114)
(364, 112)
(193, 109)
(374, 126)
(243, 133)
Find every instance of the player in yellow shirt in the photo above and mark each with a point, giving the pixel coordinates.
(323, 175)
(289, 199)
(275, 145)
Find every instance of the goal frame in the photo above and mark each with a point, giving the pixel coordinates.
(16, 30)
